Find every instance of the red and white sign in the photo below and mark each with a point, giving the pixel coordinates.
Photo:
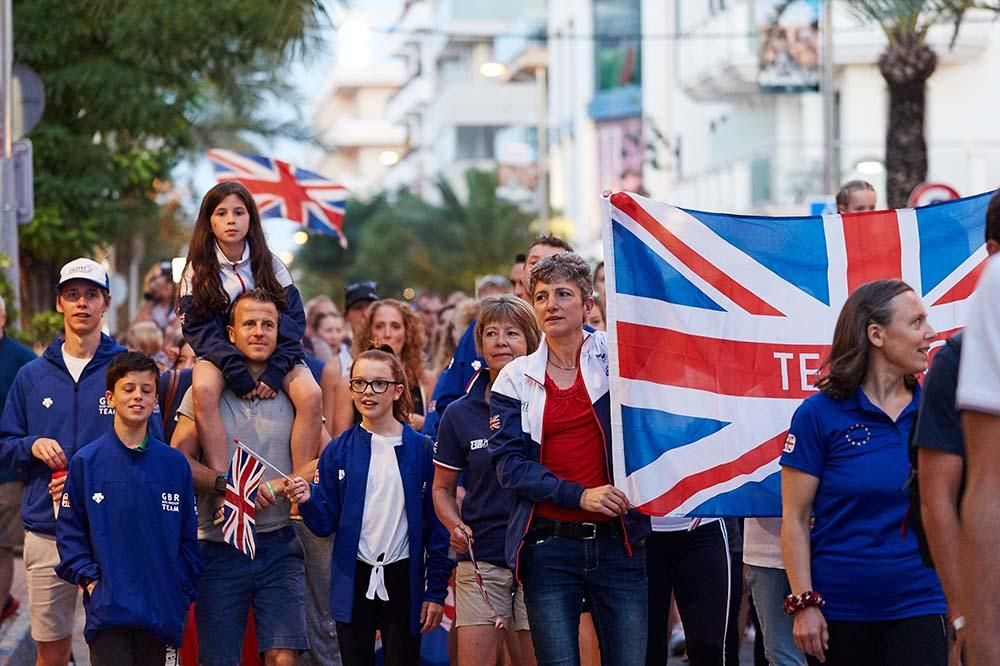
(925, 194)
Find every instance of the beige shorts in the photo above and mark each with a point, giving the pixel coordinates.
(11, 530)
(470, 608)
(51, 600)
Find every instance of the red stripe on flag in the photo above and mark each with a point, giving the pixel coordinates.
(874, 250)
(733, 290)
(689, 486)
(729, 367)
(964, 287)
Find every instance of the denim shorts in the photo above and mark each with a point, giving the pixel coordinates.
(273, 583)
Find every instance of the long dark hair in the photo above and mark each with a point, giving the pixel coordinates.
(208, 296)
(403, 406)
(846, 366)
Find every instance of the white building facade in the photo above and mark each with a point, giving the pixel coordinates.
(685, 111)
(455, 116)
(349, 118)
(736, 149)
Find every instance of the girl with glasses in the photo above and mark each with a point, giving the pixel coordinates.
(390, 566)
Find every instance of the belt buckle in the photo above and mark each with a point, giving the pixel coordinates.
(593, 527)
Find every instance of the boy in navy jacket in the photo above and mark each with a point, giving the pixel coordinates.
(127, 529)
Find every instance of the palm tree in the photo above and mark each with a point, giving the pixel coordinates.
(906, 64)
(404, 241)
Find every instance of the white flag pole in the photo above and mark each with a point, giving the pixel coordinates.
(261, 458)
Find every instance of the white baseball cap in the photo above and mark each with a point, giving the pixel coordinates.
(84, 269)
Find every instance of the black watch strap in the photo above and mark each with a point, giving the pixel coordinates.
(220, 484)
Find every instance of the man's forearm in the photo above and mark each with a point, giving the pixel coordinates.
(185, 440)
(940, 484)
(980, 538)
(943, 535)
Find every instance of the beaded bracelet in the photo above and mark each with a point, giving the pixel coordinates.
(796, 602)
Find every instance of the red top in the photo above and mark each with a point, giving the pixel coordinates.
(572, 446)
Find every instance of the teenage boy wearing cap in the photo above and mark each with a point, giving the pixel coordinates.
(55, 406)
(357, 297)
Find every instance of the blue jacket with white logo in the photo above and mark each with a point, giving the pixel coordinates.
(127, 520)
(208, 338)
(517, 407)
(45, 402)
(337, 504)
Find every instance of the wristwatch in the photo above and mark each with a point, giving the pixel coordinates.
(220, 484)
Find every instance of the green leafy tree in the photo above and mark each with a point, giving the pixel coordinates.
(906, 64)
(132, 88)
(408, 242)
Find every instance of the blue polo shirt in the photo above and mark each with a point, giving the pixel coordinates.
(462, 445)
(861, 563)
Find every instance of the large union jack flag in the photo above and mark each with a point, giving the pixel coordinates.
(239, 524)
(285, 191)
(718, 325)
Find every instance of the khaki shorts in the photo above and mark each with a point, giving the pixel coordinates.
(51, 600)
(470, 608)
(11, 530)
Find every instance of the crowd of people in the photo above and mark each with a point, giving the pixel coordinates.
(465, 442)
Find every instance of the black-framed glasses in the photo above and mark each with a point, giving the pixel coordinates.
(378, 385)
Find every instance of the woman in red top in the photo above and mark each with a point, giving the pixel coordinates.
(570, 529)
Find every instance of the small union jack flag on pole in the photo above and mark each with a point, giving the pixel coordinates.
(239, 523)
(285, 191)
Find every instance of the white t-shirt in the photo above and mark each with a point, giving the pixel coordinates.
(979, 369)
(345, 361)
(73, 364)
(762, 543)
(384, 529)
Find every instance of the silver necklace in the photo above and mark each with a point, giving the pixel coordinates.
(569, 369)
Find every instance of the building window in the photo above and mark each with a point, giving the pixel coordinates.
(476, 142)
(760, 181)
(617, 44)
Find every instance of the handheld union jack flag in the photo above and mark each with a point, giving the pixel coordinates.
(239, 522)
(285, 191)
(718, 325)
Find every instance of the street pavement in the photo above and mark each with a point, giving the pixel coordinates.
(17, 648)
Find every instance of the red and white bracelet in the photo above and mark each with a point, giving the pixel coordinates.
(796, 602)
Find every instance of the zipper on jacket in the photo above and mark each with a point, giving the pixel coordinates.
(243, 285)
(531, 514)
(76, 413)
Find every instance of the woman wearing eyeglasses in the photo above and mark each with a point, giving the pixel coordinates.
(390, 566)
(506, 329)
(390, 322)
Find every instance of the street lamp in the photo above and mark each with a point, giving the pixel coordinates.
(869, 167)
(492, 70)
(300, 237)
